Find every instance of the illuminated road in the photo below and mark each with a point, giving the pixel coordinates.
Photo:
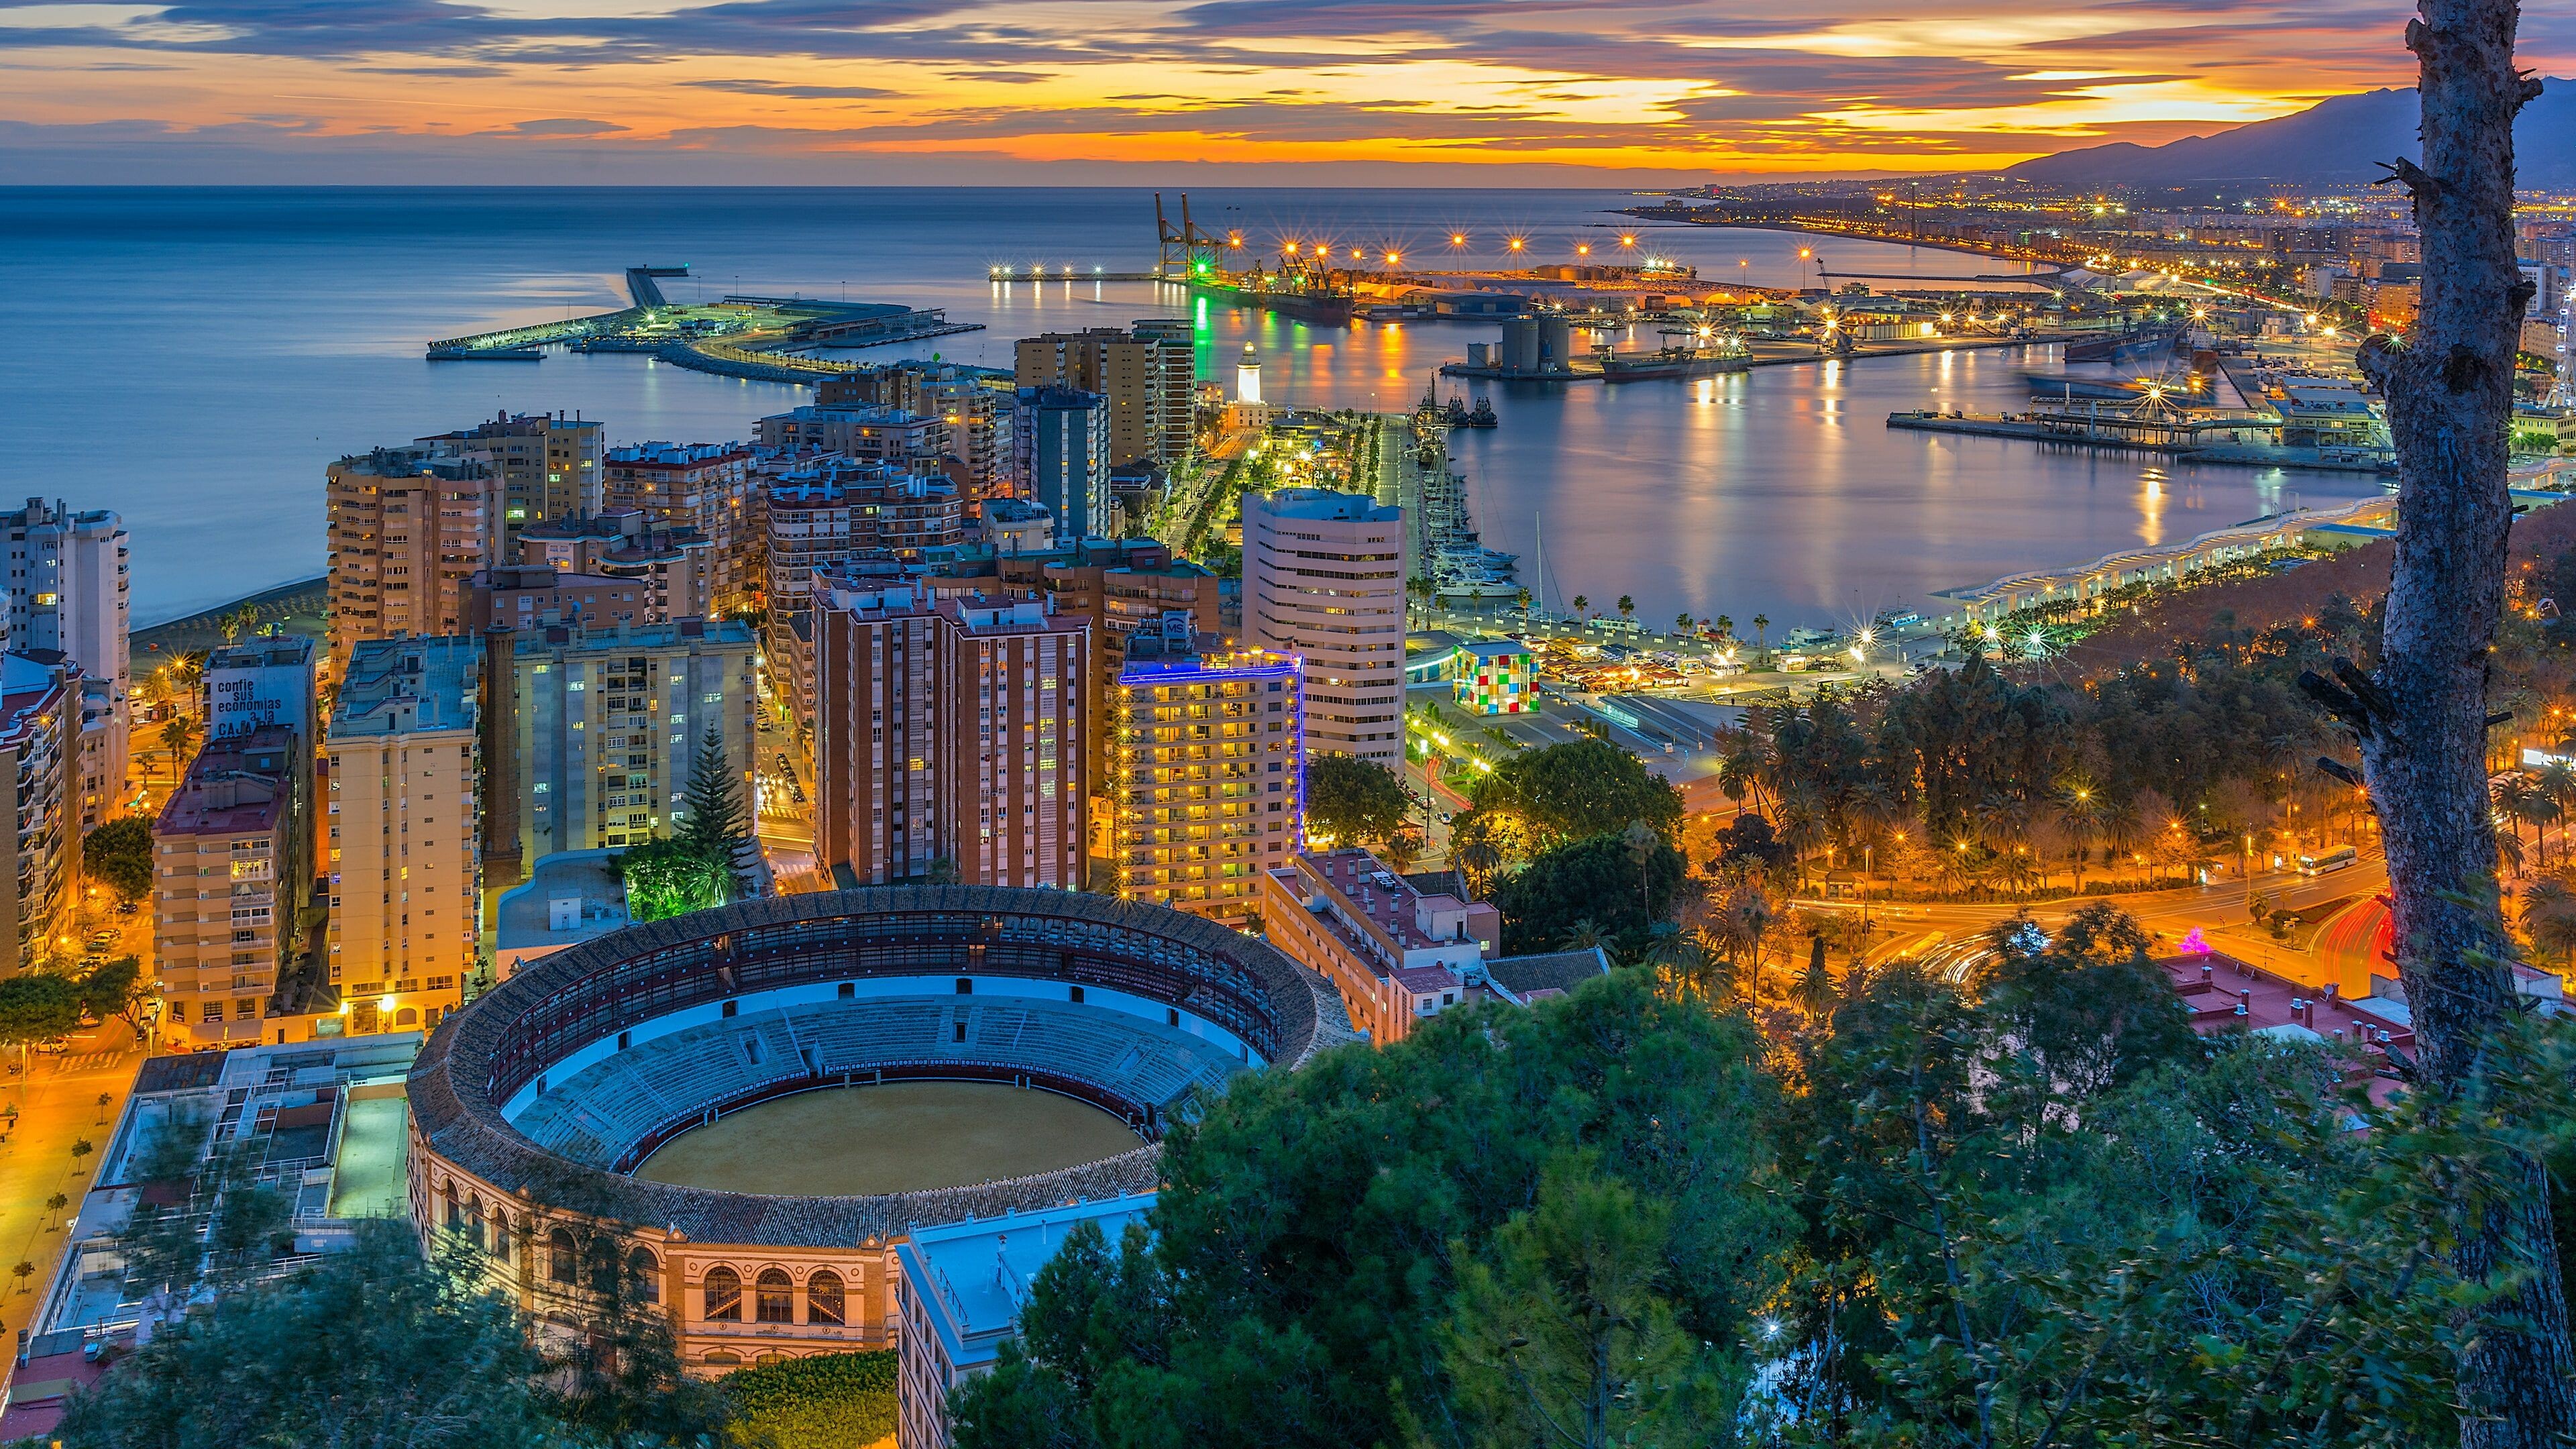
(58, 1105)
(2343, 946)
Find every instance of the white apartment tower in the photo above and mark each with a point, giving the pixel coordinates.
(66, 595)
(1323, 579)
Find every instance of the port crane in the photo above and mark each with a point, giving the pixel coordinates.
(1186, 250)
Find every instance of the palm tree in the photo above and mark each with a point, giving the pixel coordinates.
(178, 735)
(1627, 608)
(2509, 851)
(1816, 992)
(2079, 815)
(1523, 599)
(1401, 850)
(1582, 608)
(1762, 635)
(1681, 625)
(1725, 627)
(2557, 784)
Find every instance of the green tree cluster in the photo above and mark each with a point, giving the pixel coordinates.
(1573, 791)
(1352, 801)
(693, 868)
(820, 1401)
(118, 855)
(2030, 1207)
(1429, 1243)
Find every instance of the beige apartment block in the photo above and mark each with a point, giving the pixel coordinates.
(405, 813)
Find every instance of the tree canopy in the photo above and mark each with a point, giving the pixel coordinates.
(1352, 801)
(2032, 1206)
(712, 821)
(1576, 790)
(1599, 881)
(1336, 1246)
(118, 855)
(369, 1347)
(36, 1006)
(666, 877)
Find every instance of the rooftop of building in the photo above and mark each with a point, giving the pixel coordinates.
(1062, 399)
(28, 687)
(676, 455)
(974, 1277)
(1495, 648)
(406, 685)
(832, 484)
(1386, 900)
(1547, 973)
(567, 898)
(2228, 994)
(1323, 505)
(627, 638)
(986, 614)
(520, 425)
(58, 514)
(398, 463)
(325, 1123)
(237, 785)
(269, 651)
(1147, 668)
(856, 412)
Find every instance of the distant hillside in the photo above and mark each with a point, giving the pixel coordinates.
(2335, 142)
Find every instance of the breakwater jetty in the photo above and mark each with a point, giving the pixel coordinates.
(766, 339)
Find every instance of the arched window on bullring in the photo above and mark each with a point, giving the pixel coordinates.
(775, 1301)
(825, 1302)
(724, 1295)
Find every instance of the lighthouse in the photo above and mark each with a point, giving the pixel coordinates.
(1247, 376)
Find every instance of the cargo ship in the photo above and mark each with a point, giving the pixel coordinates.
(1703, 356)
(1304, 286)
(1308, 297)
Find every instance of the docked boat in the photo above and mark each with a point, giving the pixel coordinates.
(1692, 350)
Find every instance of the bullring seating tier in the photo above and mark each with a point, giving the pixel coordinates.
(599, 1114)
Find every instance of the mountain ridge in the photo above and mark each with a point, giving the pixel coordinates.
(2340, 141)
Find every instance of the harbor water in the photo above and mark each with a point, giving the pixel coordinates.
(193, 358)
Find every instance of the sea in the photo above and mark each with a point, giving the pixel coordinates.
(193, 358)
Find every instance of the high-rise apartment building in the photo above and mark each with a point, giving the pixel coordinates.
(1323, 579)
(1208, 777)
(673, 569)
(40, 723)
(549, 465)
(405, 758)
(977, 414)
(407, 528)
(1144, 376)
(230, 864)
(865, 434)
(67, 595)
(262, 681)
(592, 732)
(948, 731)
(705, 487)
(268, 683)
(1060, 457)
(522, 596)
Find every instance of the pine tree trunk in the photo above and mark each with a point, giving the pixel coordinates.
(2422, 716)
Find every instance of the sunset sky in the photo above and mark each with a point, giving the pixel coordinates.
(1095, 91)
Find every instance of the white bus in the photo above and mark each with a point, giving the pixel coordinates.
(2335, 859)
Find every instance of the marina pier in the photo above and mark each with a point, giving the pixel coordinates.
(761, 338)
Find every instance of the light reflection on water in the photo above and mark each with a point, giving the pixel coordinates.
(252, 335)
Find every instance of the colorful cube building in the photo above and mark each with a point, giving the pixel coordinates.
(1495, 676)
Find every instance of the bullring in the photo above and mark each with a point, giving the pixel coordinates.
(531, 1108)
